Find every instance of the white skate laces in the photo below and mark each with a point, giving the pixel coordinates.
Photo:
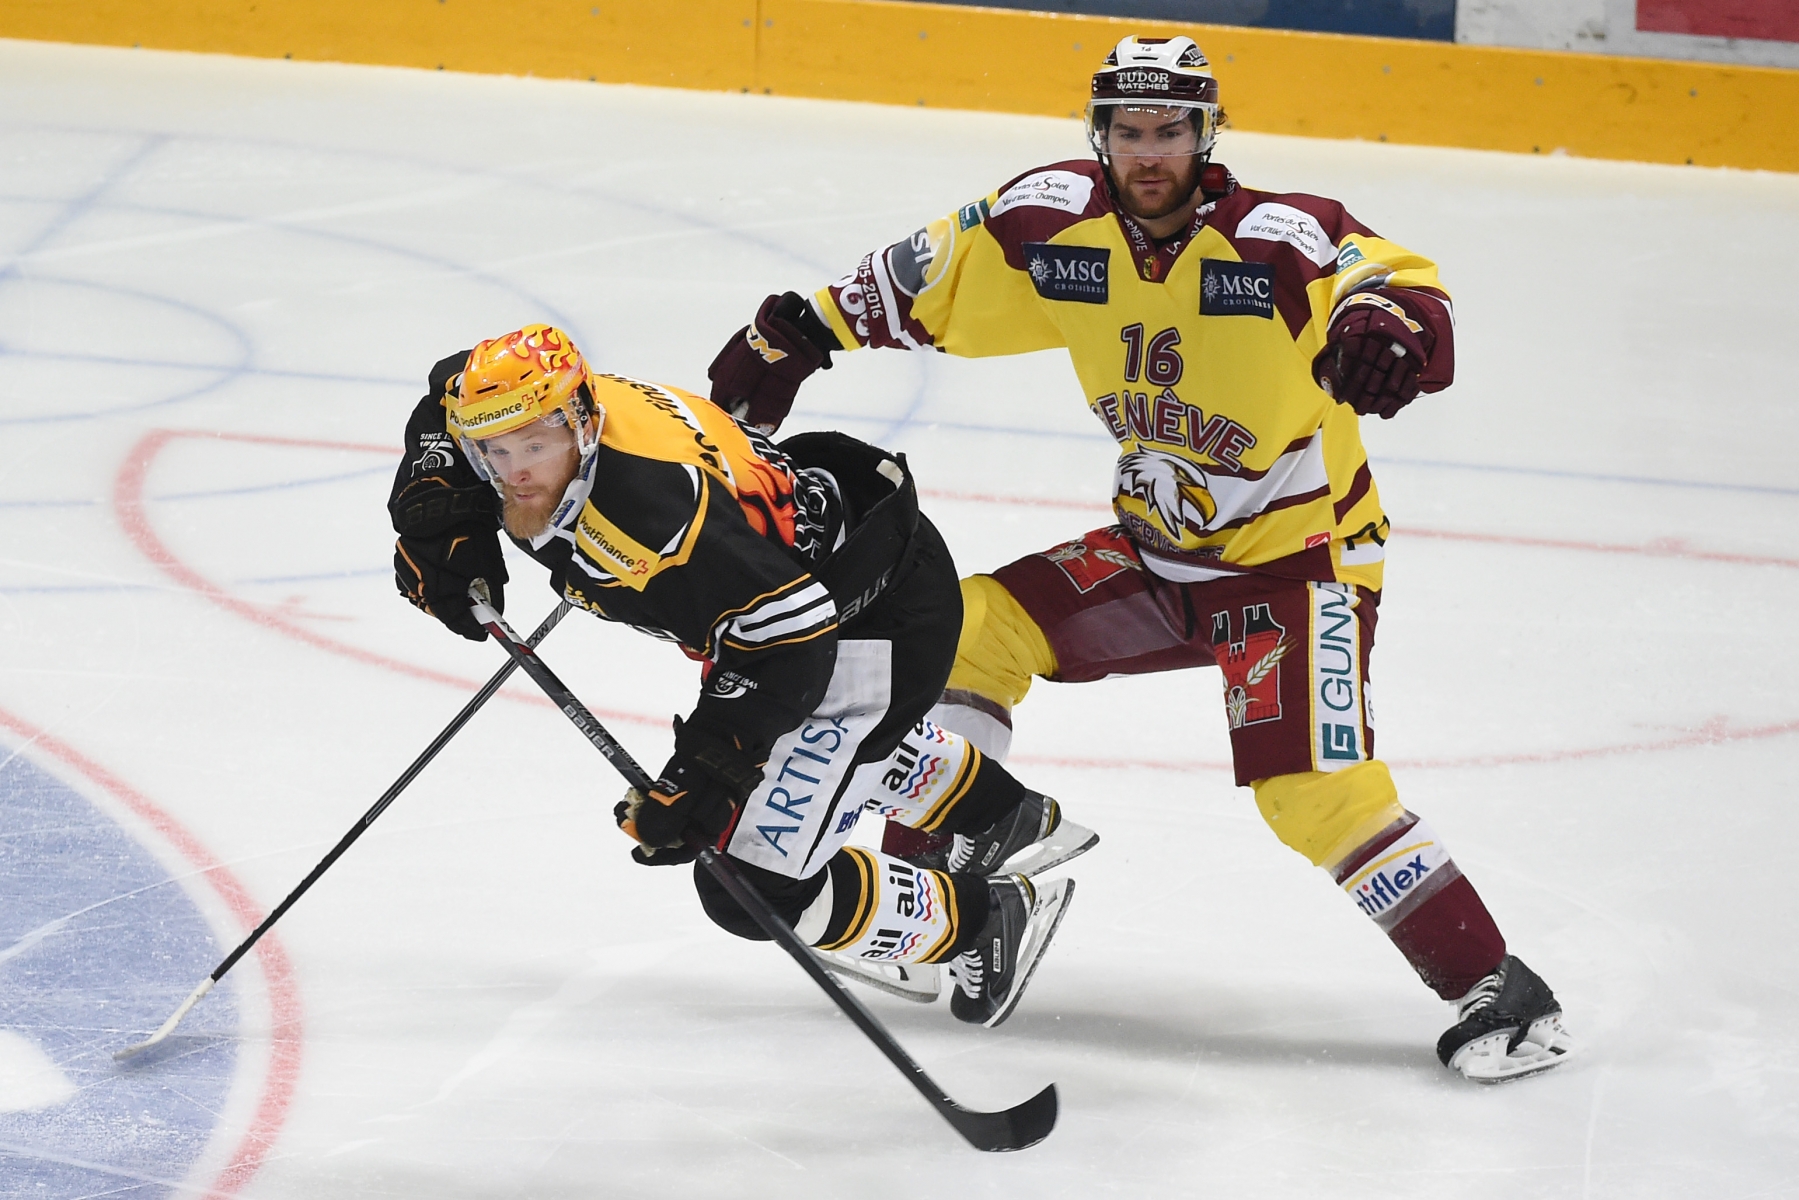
(1028, 841)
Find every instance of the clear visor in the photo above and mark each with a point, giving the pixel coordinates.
(547, 447)
(1116, 129)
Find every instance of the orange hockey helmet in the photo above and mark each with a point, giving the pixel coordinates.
(535, 374)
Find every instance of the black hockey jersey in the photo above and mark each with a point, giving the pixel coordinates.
(693, 529)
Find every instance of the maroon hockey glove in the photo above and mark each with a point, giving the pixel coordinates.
(758, 373)
(1372, 356)
(699, 793)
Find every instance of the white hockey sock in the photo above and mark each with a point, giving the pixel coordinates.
(902, 914)
(927, 773)
(816, 919)
(982, 722)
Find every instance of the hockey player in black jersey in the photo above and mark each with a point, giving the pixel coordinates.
(824, 610)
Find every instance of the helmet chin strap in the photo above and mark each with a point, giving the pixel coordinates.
(573, 496)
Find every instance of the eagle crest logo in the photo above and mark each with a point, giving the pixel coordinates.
(1173, 494)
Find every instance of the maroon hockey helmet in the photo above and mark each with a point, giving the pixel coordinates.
(1158, 75)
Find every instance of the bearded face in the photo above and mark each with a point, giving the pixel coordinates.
(1152, 188)
(534, 466)
(1153, 156)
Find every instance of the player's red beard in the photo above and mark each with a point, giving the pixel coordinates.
(528, 516)
(1153, 188)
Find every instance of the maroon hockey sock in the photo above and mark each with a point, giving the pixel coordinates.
(1451, 940)
(989, 794)
(902, 841)
(1405, 880)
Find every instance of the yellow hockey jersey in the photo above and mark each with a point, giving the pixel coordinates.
(1194, 352)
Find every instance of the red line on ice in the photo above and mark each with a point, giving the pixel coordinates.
(284, 992)
(128, 504)
(1713, 733)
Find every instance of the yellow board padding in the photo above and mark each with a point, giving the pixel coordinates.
(1309, 84)
(1001, 648)
(1001, 60)
(709, 44)
(1327, 814)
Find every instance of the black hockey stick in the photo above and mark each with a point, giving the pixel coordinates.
(368, 818)
(1014, 1128)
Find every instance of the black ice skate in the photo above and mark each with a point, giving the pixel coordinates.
(991, 977)
(1034, 824)
(1510, 1026)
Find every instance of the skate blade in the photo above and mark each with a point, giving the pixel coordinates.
(1485, 1060)
(1046, 918)
(920, 983)
(1068, 841)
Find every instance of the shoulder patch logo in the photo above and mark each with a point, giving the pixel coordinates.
(1349, 256)
(1235, 289)
(1284, 223)
(970, 215)
(1068, 272)
(919, 262)
(435, 453)
(1062, 190)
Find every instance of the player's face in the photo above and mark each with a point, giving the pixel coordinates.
(534, 465)
(1154, 159)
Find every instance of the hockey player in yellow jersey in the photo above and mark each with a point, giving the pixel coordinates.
(1230, 340)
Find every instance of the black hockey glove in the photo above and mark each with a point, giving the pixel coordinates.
(758, 373)
(699, 794)
(1372, 356)
(447, 541)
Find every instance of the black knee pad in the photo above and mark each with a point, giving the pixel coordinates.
(788, 897)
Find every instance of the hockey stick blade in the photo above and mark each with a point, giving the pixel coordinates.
(1009, 1129)
(1014, 1128)
(368, 818)
(1017, 1128)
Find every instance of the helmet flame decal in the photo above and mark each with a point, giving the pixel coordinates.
(534, 374)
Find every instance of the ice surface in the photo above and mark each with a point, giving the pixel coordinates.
(221, 284)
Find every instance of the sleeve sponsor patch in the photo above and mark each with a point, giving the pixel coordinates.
(1299, 229)
(1064, 190)
(1236, 289)
(1068, 272)
(917, 263)
(970, 215)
